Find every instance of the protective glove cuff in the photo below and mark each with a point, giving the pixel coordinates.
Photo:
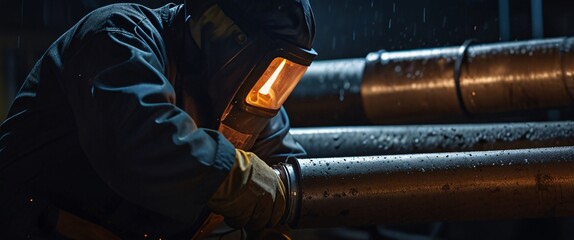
(252, 196)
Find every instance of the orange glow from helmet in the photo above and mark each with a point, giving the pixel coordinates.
(275, 84)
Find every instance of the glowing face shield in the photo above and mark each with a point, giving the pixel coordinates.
(263, 92)
(275, 84)
(249, 75)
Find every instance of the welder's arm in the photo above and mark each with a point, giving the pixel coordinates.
(275, 143)
(144, 147)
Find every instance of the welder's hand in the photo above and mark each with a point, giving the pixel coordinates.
(252, 196)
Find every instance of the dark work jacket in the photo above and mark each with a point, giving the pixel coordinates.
(102, 128)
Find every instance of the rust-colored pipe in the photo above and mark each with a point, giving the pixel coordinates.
(352, 191)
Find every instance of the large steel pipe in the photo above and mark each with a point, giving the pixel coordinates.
(331, 192)
(450, 82)
(329, 92)
(384, 140)
(471, 80)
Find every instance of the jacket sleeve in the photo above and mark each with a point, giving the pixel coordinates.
(275, 144)
(140, 143)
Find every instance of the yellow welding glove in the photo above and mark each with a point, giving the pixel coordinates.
(252, 196)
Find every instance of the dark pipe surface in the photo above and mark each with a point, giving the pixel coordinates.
(329, 92)
(503, 184)
(385, 140)
(404, 85)
(498, 77)
(422, 85)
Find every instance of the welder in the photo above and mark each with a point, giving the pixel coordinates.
(121, 129)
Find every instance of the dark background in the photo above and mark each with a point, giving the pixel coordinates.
(345, 28)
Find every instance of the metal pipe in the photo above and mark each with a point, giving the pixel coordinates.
(385, 140)
(451, 82)
(330, 91)
(503, 184)
(493, 78)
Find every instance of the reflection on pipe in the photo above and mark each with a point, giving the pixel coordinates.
(420, 85)
(353, 191)
(501, 77)
(384, 140)
(329, 92)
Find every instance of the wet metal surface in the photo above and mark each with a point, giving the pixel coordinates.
(517, 76)
(421, 85)
(494, 78)
(410, 84)
(330, 91)
(353, 191)
(384, 140)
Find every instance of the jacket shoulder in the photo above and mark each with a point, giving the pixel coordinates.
(124, 17)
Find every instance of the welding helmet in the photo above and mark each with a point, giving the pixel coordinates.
(254, 53)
